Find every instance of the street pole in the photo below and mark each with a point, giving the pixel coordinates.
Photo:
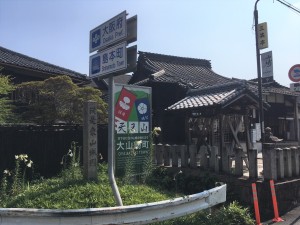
(261, 110)
(111, 147)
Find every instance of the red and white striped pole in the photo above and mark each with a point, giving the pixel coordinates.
(255, 202)
(274, 200)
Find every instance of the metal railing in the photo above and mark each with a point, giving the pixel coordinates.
(133, 214)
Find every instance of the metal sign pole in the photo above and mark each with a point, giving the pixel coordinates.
(261, 112)
(111, 146)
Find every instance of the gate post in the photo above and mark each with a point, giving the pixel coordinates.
(253, 172)
(183, 155)
(213, 156)
(269, 161)
(238, 151)
(174, 156)
(166, 154)
(295, 161)
(280, 163)
(193, 153)
(225, 160)
(287, 162)
(203, 157)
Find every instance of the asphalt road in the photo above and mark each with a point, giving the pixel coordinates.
(290, 218)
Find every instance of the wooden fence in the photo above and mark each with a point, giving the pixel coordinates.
(277, 163)
(281, 163)
(45, 145)
(207, 157)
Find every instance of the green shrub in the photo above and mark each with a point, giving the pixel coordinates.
(180, 182)
(233, 214)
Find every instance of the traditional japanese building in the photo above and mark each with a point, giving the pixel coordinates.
(283, 115)
(194, 105)
(23, 68)
(172, 78)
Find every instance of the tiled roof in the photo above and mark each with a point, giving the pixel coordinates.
(14, 59)
(189, 72)
(275, 88)
(215, 96)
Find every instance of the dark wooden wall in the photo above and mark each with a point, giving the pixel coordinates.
(45, 145)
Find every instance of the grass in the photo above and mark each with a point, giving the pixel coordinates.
(74, 192)
(69, 190)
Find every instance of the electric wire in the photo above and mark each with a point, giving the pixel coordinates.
(289, 5)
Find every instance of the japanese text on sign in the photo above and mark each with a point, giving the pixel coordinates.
(92, 151)
(132, 126)
(109, 32)
(108, 61)
(267, 64)
(90, 146)
(262, 35)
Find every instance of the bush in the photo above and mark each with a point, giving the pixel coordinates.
(180, 182)
(233, 214)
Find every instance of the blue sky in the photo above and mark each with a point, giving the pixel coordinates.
(57, 31)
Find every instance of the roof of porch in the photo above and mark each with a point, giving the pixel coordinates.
(230, 98)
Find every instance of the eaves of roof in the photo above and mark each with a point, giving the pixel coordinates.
(190, 72)
(16, 60)
(219, 96)
(274, 87)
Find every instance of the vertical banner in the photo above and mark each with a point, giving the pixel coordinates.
(267, 67)
(262, 35)
(132, 127)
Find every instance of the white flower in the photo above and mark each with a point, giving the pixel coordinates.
(70, 153)
(16, 156)
(29, 164)
(156, 131)
(6, 172)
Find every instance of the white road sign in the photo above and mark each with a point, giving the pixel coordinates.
(108, 61)
(108, 33)
(267, 64)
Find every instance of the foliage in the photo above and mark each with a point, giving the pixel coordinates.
(71, 163)
(71, 191)
(147, 167)
(180, 181)
(67, 193)
(57, 99)
(232, 214)
(13, 182)
(6, 106)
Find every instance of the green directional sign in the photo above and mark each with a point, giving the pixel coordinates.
(132, 127)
